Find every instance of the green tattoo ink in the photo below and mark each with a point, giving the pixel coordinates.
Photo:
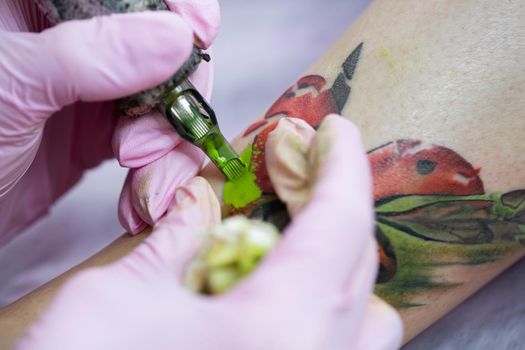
(195, 121)
(242, 190)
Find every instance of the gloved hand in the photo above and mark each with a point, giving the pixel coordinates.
(311, 292)
(296, 157)
(52, 124)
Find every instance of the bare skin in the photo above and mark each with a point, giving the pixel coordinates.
(446, 74)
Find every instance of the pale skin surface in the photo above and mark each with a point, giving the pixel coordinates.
(444, 72)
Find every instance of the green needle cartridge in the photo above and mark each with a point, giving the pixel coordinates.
(195, 121)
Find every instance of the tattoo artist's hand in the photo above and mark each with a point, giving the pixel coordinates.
(158, 158)
(311, 292)
(53, 125)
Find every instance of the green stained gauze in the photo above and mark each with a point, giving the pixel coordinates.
(230, 251)
(243, 189)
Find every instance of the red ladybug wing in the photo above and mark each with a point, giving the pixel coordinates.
(406, 167)
(304, 101)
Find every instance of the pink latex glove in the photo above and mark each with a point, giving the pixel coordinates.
(313, 291)
(296, 157)
(53, 125)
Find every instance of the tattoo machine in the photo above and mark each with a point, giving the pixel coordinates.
(179, 101)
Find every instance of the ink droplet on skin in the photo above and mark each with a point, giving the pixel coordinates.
(384, 55)
(242, 190)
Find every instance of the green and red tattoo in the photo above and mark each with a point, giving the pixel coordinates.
(428, 198)
(308, 99)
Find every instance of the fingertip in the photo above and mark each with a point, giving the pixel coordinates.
(194, 204)
(131, 222)
(202, 16)
(198, 188)
(153, 185)
(296, 126)
(395, 325)
(286, 152)
(175, 238)
(290, 135)
(341, 132)
(331, 231)
(336, 118)
(343, 167)
(380, 318)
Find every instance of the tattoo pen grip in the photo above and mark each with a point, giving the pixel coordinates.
(195, 121)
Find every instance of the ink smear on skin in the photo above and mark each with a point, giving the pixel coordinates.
(243, 189)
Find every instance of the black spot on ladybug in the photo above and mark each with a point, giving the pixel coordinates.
(425, 166)
(290, 94)
(302, 86)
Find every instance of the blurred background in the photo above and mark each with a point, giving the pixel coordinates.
(262, 48)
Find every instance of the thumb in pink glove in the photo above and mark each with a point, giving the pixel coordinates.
(311, 292)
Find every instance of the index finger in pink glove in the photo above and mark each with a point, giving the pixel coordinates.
(334, 231)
